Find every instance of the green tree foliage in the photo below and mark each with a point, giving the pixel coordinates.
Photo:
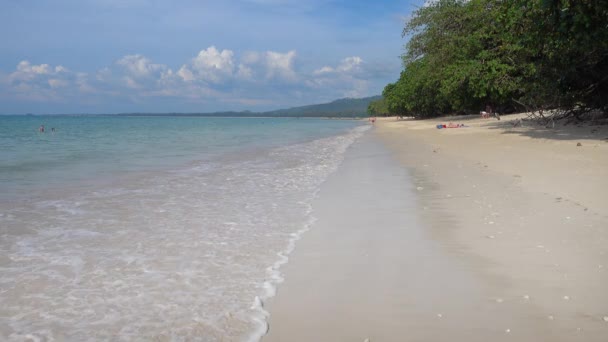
(378, 108)
(463, 55)
(575, 46)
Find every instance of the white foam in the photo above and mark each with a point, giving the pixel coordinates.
(274, 277)
(169, 255)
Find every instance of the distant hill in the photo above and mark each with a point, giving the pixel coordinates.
(342, 108)
(347, 107)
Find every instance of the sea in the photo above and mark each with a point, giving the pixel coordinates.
(116, 228)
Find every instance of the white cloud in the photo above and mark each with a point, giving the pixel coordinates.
(57, 83)
(346, 79)
(39, 82)
(245, 72)
(139, 66)
(210, 65)
(324, 70)
(28, 72)
(214, 60)
(347, 65)
(83, 84)
(27, 68)
(256, 78)
(131, 83)
(350, 64)
(251, 57)
(269, 66)
(280, 65)
(185, 73)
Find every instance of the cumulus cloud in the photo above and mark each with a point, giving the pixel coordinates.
(139, 72)
(268, 66)
(220, 75)
(346, 78)
(57, 83)
(347, 65)
(245, 72)
(185, 73)
(138, 66)
(324, 70)
(280, 65)
(210, 65)
(39, 82)
(26, 68)
(27, 72)
(251, 57)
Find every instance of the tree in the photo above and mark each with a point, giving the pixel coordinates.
(463, 54)
(378, 108)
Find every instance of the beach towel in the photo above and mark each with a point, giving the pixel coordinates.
(451, 125)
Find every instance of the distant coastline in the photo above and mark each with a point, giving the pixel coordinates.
(347, 108)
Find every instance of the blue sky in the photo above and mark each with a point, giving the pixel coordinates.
(108, 56)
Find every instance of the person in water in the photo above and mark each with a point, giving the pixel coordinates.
(41, 129)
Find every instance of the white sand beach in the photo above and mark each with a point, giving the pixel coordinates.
(484, 233)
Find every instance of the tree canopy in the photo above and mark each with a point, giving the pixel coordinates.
(462, 55)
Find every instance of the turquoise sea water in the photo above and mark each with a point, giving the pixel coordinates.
(84, 148)
(153, 228)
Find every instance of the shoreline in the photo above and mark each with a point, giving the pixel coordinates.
(518, 219)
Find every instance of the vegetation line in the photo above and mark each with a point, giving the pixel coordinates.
(465, 55)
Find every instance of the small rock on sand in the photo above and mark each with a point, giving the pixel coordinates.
(605, 318)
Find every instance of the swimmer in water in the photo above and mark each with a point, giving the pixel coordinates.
(41, 129)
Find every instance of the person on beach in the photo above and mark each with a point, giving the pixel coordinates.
(41, 129)
(372, 120)
(486, 113)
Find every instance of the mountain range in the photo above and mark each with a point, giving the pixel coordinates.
(342, 108)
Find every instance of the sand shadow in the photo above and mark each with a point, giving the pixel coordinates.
(559, 131)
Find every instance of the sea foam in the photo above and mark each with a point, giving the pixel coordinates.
(182, 254)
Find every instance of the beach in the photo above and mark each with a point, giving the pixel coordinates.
(487, 232)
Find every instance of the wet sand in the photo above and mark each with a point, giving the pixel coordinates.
(482, 233)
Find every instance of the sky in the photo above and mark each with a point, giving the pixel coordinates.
(117, 56)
